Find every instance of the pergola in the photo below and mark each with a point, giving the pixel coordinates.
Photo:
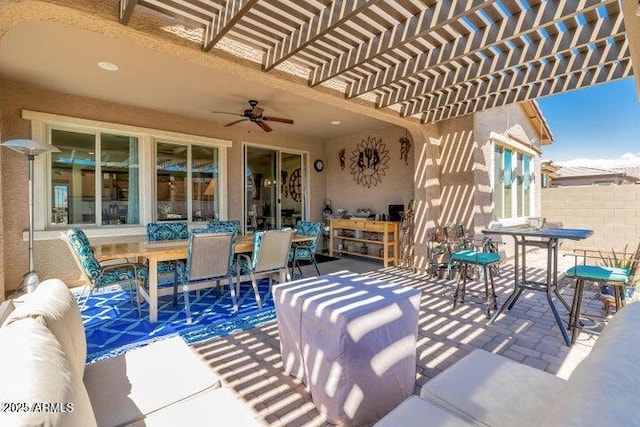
(427, 59)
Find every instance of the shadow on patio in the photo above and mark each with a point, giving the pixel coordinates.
(249, 362)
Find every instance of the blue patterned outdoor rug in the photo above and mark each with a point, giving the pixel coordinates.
(112, 324)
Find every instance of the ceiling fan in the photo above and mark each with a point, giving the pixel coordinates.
(254, 114)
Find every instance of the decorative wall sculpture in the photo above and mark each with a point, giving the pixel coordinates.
(295, 185)
(342, 158)
(406, 237)
(369, 162)
(405, 146)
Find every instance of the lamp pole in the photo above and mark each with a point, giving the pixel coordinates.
(31, 148)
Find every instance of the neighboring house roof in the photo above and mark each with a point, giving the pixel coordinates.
(587, 175)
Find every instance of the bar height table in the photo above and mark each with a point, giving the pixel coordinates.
(352, 340)
(547, 238)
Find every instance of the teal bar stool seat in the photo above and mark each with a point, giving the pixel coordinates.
(485, 260)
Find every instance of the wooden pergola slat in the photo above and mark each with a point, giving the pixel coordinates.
(220, 25)
(438, 59)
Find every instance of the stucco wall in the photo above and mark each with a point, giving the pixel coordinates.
(427, 190)
(612, 212)
(52, 257)
(395, 185)
(457, 158)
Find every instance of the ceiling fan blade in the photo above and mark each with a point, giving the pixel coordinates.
(278, 119)
(263, 125)
(236, 122)
(227, 112)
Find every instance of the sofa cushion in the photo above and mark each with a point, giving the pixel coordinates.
(479, 385)
(54, 303)
(601, 390)
(416, 412)
(215, 404)
(35, 371)
(127, 387)
(5, 310)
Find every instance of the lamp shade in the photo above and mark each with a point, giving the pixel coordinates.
(29, 146)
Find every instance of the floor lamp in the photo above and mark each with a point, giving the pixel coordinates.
(31, 148)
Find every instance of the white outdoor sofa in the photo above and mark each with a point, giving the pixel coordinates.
(485, 389)
(45, 381)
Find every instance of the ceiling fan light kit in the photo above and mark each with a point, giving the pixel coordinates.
(254, 114)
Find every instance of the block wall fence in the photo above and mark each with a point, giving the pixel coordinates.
(612, 212)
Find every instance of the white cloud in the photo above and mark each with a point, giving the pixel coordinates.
(624, 161)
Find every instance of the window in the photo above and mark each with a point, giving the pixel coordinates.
(94, 178)
(186, 182)
(107, 175)
(512, 178)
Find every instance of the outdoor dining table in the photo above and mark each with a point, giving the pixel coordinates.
(352, 340)
(548, 238)
(166, 250)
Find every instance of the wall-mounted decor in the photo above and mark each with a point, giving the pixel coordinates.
(318, 165)
(405, 146)
(283, 186)
(369, 161)
(342, 158)
(295, 185)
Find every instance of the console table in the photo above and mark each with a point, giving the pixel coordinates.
(365, 238)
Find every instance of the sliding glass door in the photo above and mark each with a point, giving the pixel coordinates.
(274, 188)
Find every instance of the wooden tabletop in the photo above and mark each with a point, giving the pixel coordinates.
(167, 248)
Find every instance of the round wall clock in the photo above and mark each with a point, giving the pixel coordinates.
(318, 165)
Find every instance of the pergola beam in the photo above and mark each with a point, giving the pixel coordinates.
(490, 62)
(632, 24)
(524, 22)
(221, 24)
(412, 28)
(535, 66)
(525, 76)
(320, 24)
(583, 78)
(126, 10)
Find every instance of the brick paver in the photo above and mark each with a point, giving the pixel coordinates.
(249, 362)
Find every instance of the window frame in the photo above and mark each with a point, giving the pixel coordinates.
(518, 151)
(41, 123)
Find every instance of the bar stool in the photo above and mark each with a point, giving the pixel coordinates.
(479, 259)
(617, 277)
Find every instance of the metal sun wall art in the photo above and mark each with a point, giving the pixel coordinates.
(369, 162)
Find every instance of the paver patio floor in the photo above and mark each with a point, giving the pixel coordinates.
(249, 362)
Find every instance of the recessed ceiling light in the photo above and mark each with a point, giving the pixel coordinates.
(108, 66)
(335, 122)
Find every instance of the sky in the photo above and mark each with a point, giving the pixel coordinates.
(597, 126)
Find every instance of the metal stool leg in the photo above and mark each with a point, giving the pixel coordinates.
(574, 318)
(493, 289)
(457, 291)
(486, 292)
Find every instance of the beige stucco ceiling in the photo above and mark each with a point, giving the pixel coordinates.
(64, 58)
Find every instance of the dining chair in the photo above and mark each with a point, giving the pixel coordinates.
(482, 258)
(270, 256)
(161, 231)
(305, 251)
(107, 273)
(228, 226)
(210, 258)
(619, 273)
